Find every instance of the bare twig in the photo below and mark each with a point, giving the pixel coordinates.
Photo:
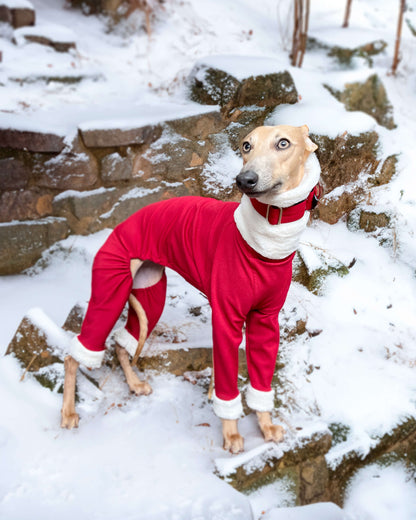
(300, 31)
(396, 57)
(28, 366)
(347, 13)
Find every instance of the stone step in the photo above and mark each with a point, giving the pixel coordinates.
(22, 243)
(300, 459)
(237, 81)
(312, 462)
(58, 37)
(147, 126)
(66, 77)
(31, 140)
(17, 13)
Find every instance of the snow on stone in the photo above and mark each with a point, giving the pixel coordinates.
(134, 193)
(331, 119)
(32, 222)
(242, 67)
(146, 115)
(17, 4)
(324, 511)
(81, 194)
(54, 33)
(56, 337)
(221, 169)
(257, 457)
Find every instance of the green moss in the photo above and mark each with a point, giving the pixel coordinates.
(318, 277)
(314, 280)
(210, 86)
(51, 377)
(344, 56)
(51, 384)
(340, 432)
(267, 90)
(411, 26)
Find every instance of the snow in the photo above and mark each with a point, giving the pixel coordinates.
(380, 492)
(332, 119)
(55, 336)
(221, 168)
(81, 194)
(146, 115)
(155, 458)
(325, 511)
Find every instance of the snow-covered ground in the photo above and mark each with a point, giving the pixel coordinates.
(154, 458)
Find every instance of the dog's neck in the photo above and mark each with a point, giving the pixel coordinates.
(277, 241)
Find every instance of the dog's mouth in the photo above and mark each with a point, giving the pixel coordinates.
(254, 194)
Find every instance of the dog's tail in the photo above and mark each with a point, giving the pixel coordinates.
(144, 326)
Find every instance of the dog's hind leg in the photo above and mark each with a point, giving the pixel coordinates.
(146, 304)
(69, 417)
(134, 383)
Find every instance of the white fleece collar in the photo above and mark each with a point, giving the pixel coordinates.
(277, 241)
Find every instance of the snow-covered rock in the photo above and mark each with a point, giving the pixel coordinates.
(58, 37)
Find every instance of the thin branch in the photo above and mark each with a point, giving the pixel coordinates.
(396, 57)
(347, 14)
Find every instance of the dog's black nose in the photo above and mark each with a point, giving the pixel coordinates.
(247, 181)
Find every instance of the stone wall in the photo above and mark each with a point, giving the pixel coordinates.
(99, 177)
(104, 175)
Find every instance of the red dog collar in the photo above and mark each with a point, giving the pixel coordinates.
(276, 216)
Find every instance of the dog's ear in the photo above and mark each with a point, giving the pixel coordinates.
(310, 145)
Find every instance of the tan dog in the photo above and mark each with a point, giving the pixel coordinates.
(279, 173)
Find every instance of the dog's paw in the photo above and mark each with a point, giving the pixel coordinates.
(141, 388)
(234, 443)
(273, 433)
(69, 420)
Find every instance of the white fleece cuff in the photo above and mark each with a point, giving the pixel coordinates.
(258, 400)
(228, 409)
(126, 340)
(88, 358)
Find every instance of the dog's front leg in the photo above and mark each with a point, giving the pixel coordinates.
(271, 432)
(69, 417)
(233, 441)
(136, 386)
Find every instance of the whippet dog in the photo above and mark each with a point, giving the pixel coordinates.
(238, 254)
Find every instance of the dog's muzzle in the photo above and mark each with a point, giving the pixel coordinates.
(247, 181)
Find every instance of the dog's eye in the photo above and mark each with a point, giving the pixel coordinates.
(246, 147)
(283, 144)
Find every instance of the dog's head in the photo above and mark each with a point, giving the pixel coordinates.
(274, 159)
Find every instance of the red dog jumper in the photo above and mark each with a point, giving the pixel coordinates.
(198, 238)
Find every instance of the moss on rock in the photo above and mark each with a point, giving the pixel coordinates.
(369, 97)
(212, 86)
(345, 55)
(314, 276)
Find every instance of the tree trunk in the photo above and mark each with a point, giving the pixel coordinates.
(300, 31)
(396, 57)
(347, 13)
